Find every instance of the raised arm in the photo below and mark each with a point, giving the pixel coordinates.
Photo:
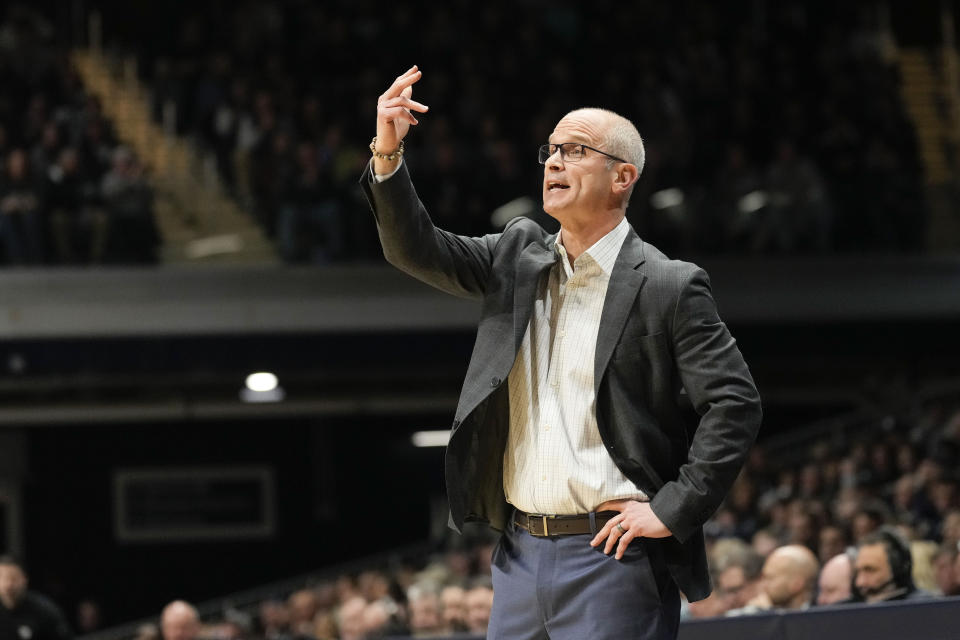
(456, 264)
(394, 117)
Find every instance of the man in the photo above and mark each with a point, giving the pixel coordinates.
(452, 601)
(943, 573)
(884, 568)
(478, 602)
(302, 605)
(179, 621)
(570, 434)
(350, 618)
(789, 578)
(25, 615)
(836, 581)
(833, 540)
(423, 604)
(738, 576)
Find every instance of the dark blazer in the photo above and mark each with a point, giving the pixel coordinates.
(660, 339)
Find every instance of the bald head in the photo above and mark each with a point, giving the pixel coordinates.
(835, 580)
(179, 621)
(620, 137)
(789, 575)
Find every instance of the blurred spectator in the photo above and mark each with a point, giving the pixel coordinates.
(179, 621)
(789, 580)
(922, 553)
(950, 531)
(764, 542)
(25, 613)
(479, 602)
(88, 616)
(147, 631)
(78, 228)
(21, 226)
(868, 518)
(350, 619)
(835, 584)
(325, 626)
(274, 620)
(833, 542)
(128, 198)
(453, 603)
(309, 225)
(947, 580)
(798, 215)
(738, 573)
(425, 612)
(883, 569)
(302, 606)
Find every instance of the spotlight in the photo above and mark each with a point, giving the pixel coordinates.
(262, 381)
(262, 386)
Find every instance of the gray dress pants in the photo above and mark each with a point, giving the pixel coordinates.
(561, 588)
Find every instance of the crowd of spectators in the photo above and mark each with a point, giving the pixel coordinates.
(770, 127)
(448, 595)
(70, 193)
(874, 520)
(869, 519)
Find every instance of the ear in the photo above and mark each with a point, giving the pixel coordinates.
(625, 178)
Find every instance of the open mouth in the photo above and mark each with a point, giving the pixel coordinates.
(553, 186)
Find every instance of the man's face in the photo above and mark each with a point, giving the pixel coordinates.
(733, 587)
(780, 585)
(425, 613)
(874, 575)
(179, 624)
(454, 611)
(832, 543)
(584, 185)
(479, 601)
(13, 584)
(943, 574)
(834, 585)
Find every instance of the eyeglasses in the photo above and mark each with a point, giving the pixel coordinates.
(570, 152)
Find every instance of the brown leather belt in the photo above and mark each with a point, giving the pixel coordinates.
(541, 525)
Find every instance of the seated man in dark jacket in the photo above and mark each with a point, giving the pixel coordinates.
(884, 568)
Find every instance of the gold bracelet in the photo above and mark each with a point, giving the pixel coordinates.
(389, 157)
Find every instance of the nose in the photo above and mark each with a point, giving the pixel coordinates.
(554, 162)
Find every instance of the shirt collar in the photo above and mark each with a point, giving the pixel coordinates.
(604, 251)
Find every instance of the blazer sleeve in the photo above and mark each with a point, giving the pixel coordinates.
(719, 384)
(459, 265)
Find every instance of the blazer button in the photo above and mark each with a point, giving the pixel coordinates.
(495, 381)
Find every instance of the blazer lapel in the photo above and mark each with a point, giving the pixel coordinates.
(534, 260)
(626, 280)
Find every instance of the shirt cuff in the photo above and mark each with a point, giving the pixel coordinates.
(380, 178)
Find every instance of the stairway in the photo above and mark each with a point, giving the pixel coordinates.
(931, 96)
(922, 93)
(198, 221)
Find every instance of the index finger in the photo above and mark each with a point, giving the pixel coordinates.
(402, 82)
(603, 533)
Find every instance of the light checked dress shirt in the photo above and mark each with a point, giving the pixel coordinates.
(555, 461)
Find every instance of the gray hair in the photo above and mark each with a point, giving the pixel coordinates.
(622, 138)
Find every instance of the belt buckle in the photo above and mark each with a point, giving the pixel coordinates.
(546, 531)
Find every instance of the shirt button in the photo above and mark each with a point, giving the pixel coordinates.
(563, 333)
(494, 381)
(546, 427)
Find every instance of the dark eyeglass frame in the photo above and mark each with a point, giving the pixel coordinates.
(547, 150)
